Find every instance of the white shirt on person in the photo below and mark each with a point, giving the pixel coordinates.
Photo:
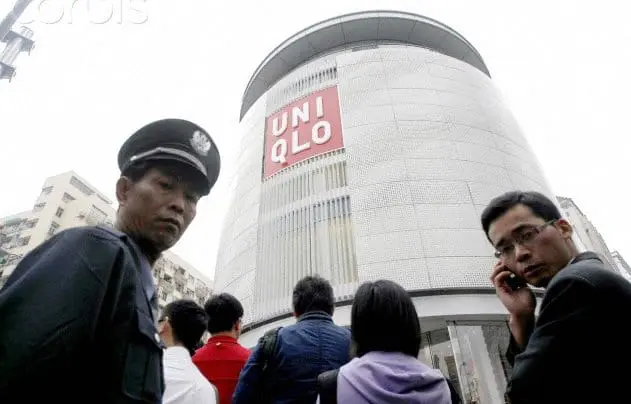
(184, 383)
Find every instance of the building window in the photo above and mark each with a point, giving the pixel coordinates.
(75, 182)
(38, 207)
(103, 199)
(46, 191)
(67, 198)
(96, 216)
(31, 223)
(165, 296)
(59, 212)
(24, 241)
(54, 226)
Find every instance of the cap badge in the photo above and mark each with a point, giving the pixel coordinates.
(200, 142)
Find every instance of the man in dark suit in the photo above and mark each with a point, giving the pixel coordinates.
(78, 315)
(576, 350)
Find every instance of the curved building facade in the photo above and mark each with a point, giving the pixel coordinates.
(370, 143)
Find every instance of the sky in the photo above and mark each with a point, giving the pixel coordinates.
(102, 69)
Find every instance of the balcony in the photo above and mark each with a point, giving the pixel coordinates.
(167, 287)
(202, 291)
(180, 274)
(92, 218)
(7, 259)
(179, 286)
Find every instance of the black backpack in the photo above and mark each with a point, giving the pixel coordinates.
(327, 388)
(267, 344)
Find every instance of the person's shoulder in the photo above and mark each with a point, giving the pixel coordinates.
(343, 330)
(587, 282)
(204, 390)
(341, 336)
(201, 354)
(79, 241)
(590, 271)
(205, 393)
(242, 351)
(338, 331)
(87, 235)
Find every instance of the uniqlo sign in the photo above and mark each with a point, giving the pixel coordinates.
(303, 129)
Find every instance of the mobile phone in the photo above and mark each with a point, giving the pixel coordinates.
(515, 282)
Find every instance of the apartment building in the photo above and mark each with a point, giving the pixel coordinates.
(621, 265)
(585, 231)
(67, 200)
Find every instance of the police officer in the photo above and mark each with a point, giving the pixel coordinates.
(78, 315)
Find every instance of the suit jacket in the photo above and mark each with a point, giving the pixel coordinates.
(577, 352)
(76, 324)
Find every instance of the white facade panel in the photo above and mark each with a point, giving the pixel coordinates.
(428, 142)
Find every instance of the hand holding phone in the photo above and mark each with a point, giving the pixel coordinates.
(516, 282)
(513, 291)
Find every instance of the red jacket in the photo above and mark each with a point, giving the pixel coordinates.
(221, 361)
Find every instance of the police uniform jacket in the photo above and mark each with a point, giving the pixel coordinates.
(77, 323)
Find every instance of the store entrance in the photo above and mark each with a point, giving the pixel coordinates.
(472, 356)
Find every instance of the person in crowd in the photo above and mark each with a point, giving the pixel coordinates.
(386, 337)
(181, 326)
(573, 351)
(285, 365)
(78, 315)
(222, 358)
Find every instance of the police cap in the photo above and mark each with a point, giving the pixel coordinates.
(175, 140)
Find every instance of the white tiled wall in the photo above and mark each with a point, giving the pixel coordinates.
(429, 141)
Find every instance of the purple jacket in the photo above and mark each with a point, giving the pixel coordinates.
(391, 377)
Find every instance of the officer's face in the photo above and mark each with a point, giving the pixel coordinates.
(159, 206)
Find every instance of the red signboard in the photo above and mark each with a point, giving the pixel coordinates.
(303, 129)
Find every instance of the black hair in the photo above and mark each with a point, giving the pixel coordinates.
(383, 318)
(537, 202)
(188, 322)
(223, 312)
(313, 293)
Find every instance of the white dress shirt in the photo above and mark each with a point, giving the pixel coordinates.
(184, 383)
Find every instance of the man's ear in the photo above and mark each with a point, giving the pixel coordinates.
(164, 326)
(123, 186)
(565, 228)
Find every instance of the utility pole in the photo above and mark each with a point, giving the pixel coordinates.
(16, 40)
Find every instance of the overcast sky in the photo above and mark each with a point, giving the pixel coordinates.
(92, 80)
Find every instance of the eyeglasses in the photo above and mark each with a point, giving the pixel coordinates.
(525, 239)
